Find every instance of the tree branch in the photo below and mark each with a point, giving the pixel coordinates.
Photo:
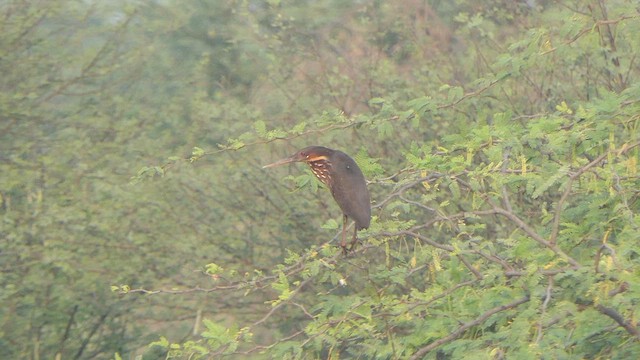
(67, 330)
(535, 236)
(627, 325)
(92, 332)
(555, 228)
(464, 327)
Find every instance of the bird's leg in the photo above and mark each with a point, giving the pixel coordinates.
(343, 243)
(354, 240)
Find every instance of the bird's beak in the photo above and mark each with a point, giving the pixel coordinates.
(289, 160)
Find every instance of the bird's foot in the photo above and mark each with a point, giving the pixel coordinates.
(345, 250)
(352, 246)
(348, 250)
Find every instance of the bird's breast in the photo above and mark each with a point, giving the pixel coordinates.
(321, 170)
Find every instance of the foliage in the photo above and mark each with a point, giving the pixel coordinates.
(500, 140)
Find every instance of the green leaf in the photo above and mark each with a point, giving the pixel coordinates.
(197, 152)
(376, 101)
(550, 181)
(331, 224)
(213, 269)
(163, 343)
(260, 127)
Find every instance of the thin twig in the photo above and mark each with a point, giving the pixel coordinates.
(535, 236)
(555, 228)
(589, 29)
(545, 304)
(441, 295)
(503, 170)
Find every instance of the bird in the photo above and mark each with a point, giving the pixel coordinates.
(340, 173)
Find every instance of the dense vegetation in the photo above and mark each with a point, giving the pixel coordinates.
(500, 140)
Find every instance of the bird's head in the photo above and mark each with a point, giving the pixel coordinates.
(308, 155)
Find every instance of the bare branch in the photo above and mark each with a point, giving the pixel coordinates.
(67, 330)
(627, 325)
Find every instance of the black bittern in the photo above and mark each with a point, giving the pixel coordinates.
(345, 181)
